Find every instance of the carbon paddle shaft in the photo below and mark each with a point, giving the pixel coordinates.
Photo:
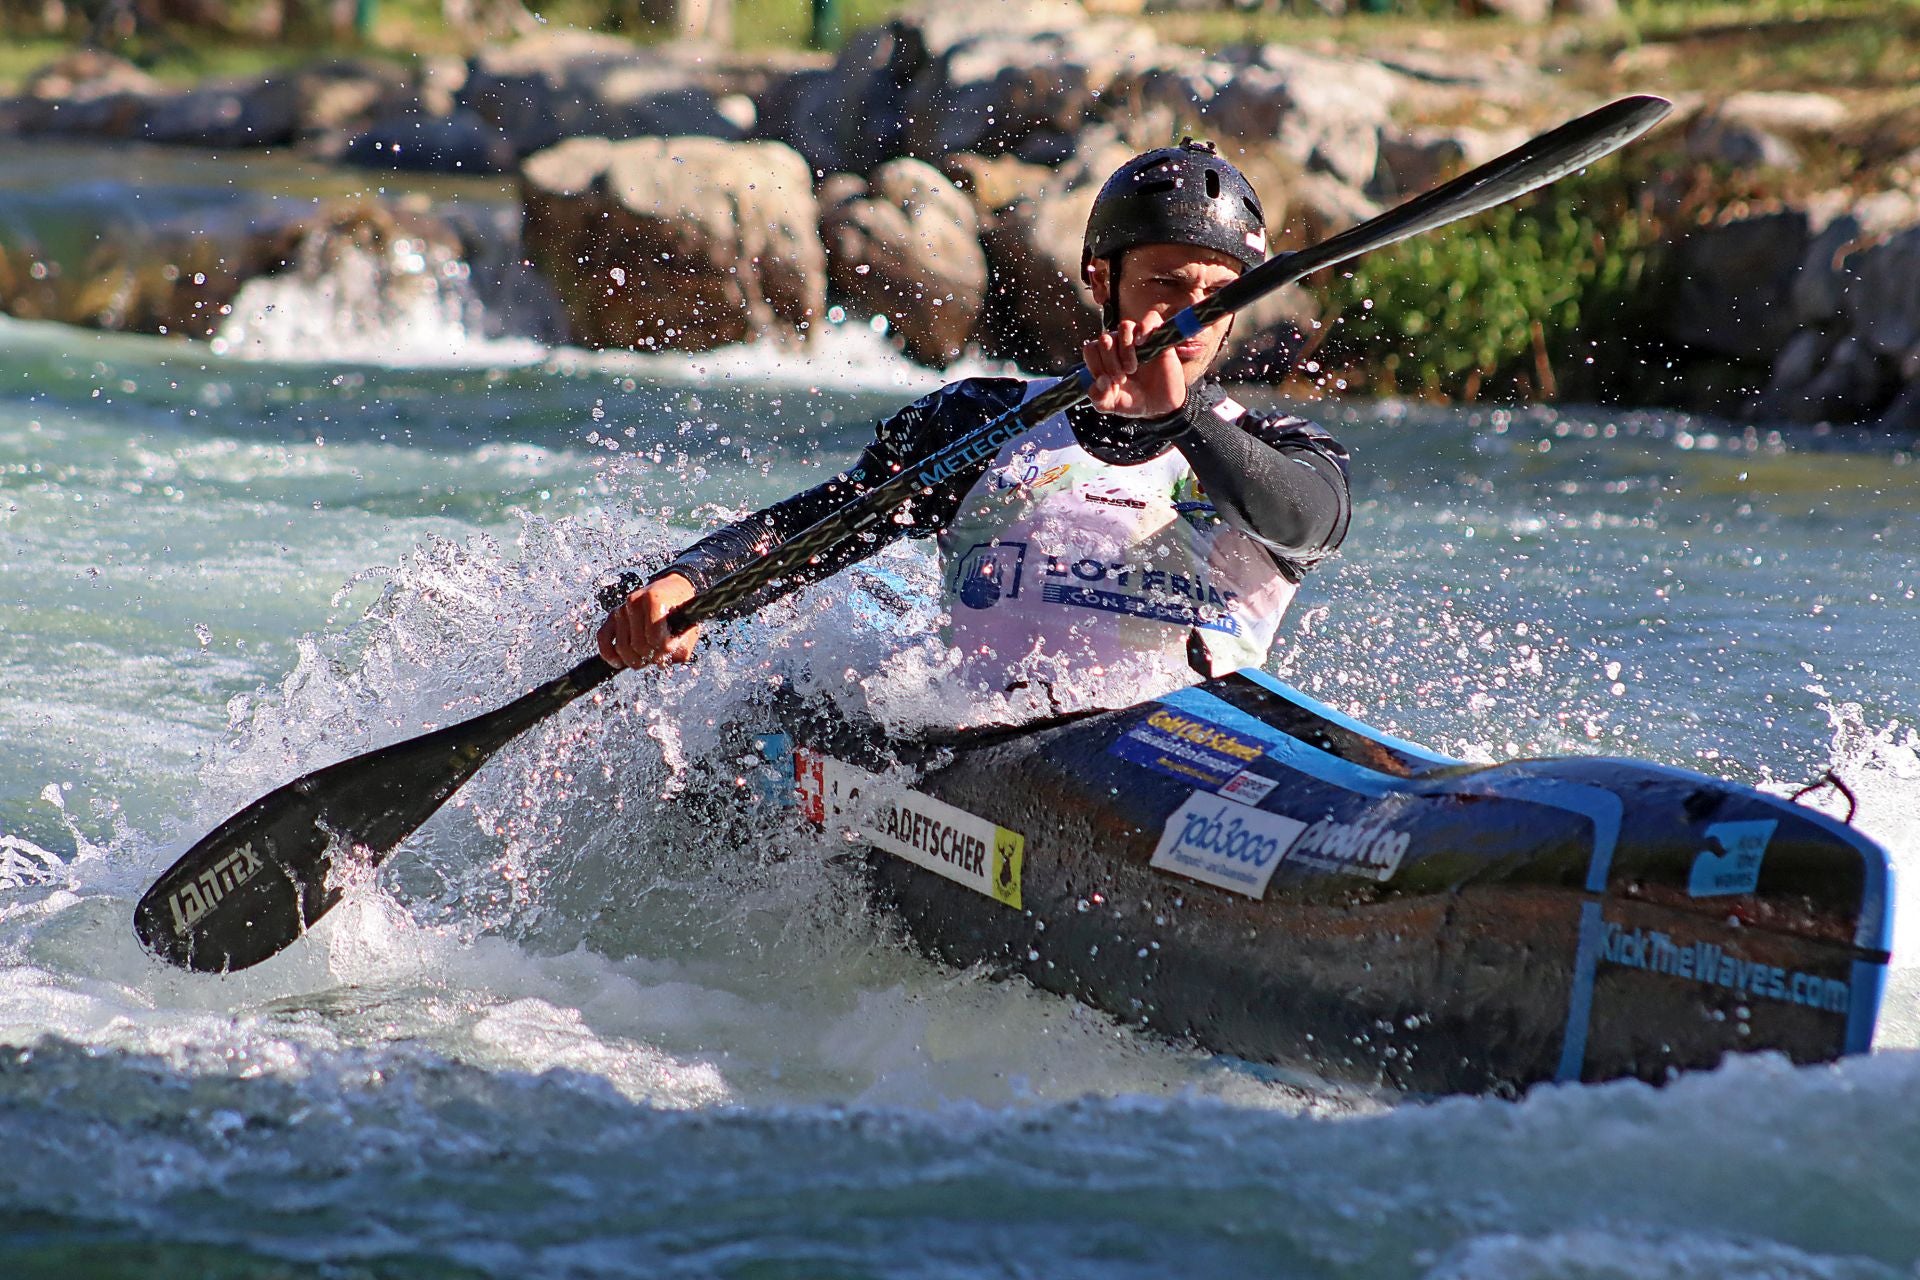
(255, 883)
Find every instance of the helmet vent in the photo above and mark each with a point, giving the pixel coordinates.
(1213, 184)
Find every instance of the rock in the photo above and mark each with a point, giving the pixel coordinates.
(696, 19)
(1784, 112)
(1038, 310)
(86, 75)
(1415, 159)
(1714, 139)
(1842, 225)
(849, 118)
(346, 95)
(1882, 306)
(686, 243)
(229, 115)
(1326, 113)
(1844, 382)
(1314, 207)
(994, 182)
(460, 143)
(907, 248)
(542, 89)
(1531, 12)
(1736, 279)
(1903, 415)
(85, 94)
(993, 90)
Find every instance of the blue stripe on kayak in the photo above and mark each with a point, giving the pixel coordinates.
(1586, 960)
(1863, 1006)
(1325, 712)
(1875, 929)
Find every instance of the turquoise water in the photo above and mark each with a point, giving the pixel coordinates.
(574, 1030)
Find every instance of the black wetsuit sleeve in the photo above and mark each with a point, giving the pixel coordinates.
(921, 428)
(1280, 479)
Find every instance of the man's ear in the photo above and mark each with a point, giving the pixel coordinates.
(1098, 273)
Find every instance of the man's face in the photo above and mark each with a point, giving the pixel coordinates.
(1163, 280)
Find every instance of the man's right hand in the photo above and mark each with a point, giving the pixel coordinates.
(637, 635)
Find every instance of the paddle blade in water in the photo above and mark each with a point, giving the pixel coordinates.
(261, 878)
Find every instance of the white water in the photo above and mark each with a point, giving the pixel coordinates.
(579, 1027)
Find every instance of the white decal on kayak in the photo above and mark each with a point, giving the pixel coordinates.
(1226, 844)
(930, 833)
(1733, 867)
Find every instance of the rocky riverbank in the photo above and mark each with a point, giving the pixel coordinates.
(937, 173)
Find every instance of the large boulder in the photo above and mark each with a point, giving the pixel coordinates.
(342, 96)
(1038, 309)
(1736, 280)
(86, 93)
(1883, 305)
(848, 118)
(1025, 90)
(420, 143)
(1327, 113)
(573, 84)
(262, 111)
(687, 243)
(907, 247)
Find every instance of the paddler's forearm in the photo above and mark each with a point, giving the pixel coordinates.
(1290, 495)
(733, 546)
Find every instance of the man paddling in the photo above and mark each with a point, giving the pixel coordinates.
(1152, 535)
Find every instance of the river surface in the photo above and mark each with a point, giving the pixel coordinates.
(570, 1032)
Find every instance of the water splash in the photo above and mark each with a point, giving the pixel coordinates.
(362, 290)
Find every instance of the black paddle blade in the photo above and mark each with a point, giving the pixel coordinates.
(260, 879)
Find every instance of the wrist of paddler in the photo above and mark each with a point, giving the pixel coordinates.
(637, 633)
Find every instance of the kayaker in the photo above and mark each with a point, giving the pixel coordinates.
(1150, 536)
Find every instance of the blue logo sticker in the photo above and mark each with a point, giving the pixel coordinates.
(773, 780)
(1733, 866)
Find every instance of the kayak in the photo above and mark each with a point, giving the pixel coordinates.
(1241, 866)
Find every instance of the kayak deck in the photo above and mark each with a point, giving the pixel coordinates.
(1240, 865)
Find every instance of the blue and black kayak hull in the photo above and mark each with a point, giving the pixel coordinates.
(1238, 865)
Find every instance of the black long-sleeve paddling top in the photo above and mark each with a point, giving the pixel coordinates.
(1274, 476)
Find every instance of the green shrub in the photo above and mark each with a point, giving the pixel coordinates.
(1531, 300)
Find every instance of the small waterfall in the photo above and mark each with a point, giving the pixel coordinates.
(370, 284)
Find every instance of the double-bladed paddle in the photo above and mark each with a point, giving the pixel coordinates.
(258, 880)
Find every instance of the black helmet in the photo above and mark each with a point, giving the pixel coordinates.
(1178, 195)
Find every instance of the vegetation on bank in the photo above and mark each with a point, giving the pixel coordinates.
(1525, 302)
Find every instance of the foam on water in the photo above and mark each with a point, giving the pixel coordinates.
(596, 1019)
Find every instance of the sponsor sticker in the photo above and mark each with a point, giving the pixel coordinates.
(1190, 748)
(1370, 850)
(1248, 788)
(1732, 863)
(1651, 951)
(950, 842)
(1222, 843)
